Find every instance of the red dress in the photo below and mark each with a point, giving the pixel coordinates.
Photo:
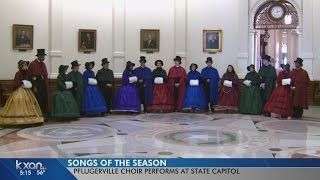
(229, 96)
(178, 75)
(162, 98)
(280, 100)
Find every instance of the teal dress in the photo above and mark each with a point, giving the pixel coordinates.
(250, 101)
(63, 103)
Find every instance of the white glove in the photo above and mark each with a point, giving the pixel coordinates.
(158, 80)
(26, 84)
(247, 83)
(92, 81)
(227, 83)
(69, 84)
(194, 82)
(133, 79)
(286, 82)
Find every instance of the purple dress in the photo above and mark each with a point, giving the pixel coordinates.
(127, 98)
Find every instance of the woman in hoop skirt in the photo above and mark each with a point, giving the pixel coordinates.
(195, 99)
(127, 98)
(279, 102)
(229, 94)
(162, 99)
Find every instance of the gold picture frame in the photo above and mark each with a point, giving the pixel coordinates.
(212, 40)
(22, 37)
(150, 40)
(87, 40)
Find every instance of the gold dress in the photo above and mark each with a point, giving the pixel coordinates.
(22, 106)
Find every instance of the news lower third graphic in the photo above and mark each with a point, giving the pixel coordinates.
(81, 168)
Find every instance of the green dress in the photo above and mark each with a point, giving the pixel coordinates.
(250, 101)
(63, 102)
(268, 76)
(78, 87)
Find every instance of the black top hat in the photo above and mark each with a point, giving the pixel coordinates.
(266, 57)
(209, 59)
(74, 64)
(62, 68)
(41, 52)
(195, 65)
(251, 65)
(87, 64)
(21, 62)
(142, 58)
(155, 63)
(104, 61)
(129, 63)
(285, 66)
(299, 60)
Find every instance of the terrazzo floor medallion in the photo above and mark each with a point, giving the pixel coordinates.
(305, 153)
(292, 126)
(67, 132)
(166, 135)
(174, 118)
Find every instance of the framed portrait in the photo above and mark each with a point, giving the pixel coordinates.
(149, 40)
(22, 37)
(87, 39)
(212, 40)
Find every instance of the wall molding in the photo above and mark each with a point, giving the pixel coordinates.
(119, 54)
(56, 53)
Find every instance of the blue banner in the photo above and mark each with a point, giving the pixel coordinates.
(189, 162)
(57, 168)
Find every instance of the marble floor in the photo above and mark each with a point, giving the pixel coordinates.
(173, 135)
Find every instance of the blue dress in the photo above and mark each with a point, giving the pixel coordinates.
(211, 89)
(195, 97)
(127, 98)
(94, 103)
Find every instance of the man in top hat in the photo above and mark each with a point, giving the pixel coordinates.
(268, 77)
(300, 84)
(210, 77)
(105, 80)
(177, 82)
(78, 83)
(144, 83)
(39, 78)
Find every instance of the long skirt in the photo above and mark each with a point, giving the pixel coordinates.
(228, 98)
(21, 108)
(162, 99)
(250, 101)
(127, 99)
(64, 105)
(280, 102)
(195, 98)
(94, 102)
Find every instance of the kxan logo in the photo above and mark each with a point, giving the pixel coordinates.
(26, 168)
(29, 165)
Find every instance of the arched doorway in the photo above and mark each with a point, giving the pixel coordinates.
(275, 31)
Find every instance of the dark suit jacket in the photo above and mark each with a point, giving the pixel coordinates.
(151, 45)
(20, 40)
(213, 44)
